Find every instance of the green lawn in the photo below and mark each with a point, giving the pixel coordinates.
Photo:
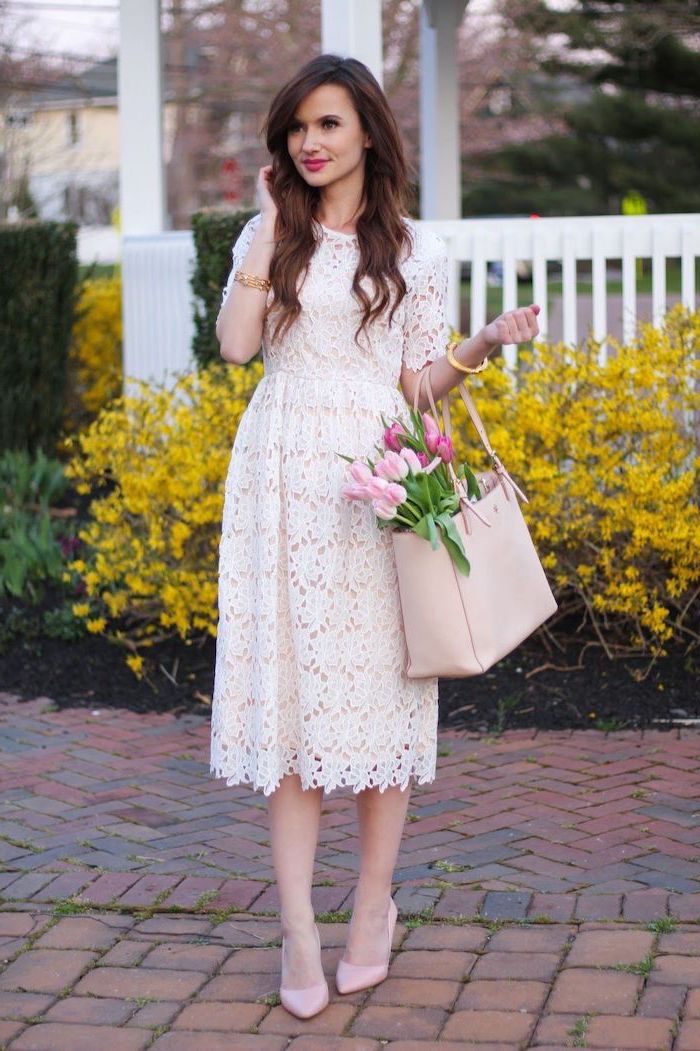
(583, 288)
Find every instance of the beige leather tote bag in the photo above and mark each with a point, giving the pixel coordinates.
(457, 625)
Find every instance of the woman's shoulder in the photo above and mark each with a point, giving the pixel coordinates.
(245, 233)
(253, 222)
(426, 243)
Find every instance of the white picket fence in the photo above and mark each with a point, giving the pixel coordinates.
(597, 239)
(158, 325)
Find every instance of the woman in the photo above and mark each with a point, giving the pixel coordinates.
(347, 296)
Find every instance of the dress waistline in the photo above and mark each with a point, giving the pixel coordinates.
(338, 380)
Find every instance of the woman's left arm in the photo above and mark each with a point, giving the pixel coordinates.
(515, 326)
(427, 331)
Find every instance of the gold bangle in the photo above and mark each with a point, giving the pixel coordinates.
(458, 364)
(263, 283)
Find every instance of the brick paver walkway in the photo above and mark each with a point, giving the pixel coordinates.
(548, 887)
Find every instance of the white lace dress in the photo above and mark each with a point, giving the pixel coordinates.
(310, 656)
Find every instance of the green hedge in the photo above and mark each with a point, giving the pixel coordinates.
(214, 236)
(38, 290)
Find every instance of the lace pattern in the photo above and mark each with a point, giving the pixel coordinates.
(310, 659)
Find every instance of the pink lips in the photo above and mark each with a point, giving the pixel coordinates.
(314, 166)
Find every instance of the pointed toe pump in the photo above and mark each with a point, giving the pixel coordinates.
(350, 977)
(304, 1003)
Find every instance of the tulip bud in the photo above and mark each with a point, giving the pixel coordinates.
(395, 493)
(413, 460)
(360, 472)
(384, 509)
(391, 439)
(444, 449)
(376, 486)
(354, 491)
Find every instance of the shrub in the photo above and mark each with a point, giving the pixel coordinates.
(214, 235)
(37, 291)
(95, 360)
(153, 540)
(608, 457)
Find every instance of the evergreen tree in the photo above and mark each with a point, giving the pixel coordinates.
(630, 71)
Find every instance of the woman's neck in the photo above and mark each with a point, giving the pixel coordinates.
(331, 215)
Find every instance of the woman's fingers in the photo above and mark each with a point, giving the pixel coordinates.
(522, 323)
(515, 326)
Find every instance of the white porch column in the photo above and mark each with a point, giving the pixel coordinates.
(440, 190)
(353, 29)
(141, 176)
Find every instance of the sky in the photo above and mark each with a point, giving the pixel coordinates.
(88, 30)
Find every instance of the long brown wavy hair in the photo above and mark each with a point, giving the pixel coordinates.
(381, 233)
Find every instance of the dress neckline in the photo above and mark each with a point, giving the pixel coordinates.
(336, 233)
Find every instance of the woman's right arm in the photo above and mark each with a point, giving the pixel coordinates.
(239, 325)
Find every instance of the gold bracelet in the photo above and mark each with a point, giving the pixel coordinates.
(263, 283)
(458, 364)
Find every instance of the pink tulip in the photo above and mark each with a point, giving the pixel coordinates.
(393, 467)
(354, 491)
(412, 460)
(422, 459)
(383, 509)
(395, 494)
(432, 432)
(391, 440)
(360, 472)
(383, 470)
(433, 464)
(444, 449)
(376, 486)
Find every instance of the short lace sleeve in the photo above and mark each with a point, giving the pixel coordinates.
(239, 252)
(426, 329)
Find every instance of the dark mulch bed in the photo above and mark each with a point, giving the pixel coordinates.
(602, 694)
(583, 690)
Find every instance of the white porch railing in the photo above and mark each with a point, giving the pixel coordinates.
(157, 305)
(158, 324)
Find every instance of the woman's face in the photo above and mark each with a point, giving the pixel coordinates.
(326, 127)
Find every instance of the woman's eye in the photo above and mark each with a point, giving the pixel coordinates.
(329, 120)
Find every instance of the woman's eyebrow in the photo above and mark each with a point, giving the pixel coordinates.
(324, 117)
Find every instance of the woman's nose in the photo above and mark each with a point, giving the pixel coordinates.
(309, 145)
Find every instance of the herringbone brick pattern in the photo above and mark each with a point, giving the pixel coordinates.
(548, 886)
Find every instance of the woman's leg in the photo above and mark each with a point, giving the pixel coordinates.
(381, 817)
(294, 818)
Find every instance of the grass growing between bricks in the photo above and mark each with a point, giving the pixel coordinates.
(644, 967)
(664, 925)
(578, 1031)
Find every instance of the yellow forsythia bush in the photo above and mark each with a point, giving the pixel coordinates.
(95, 360)
(153, 536)
(608, 457)
(606, 454)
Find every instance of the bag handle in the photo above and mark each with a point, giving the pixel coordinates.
(475, 418)
(445, 401)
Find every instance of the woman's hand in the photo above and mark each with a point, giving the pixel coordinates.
(268, 208)
(515, 326)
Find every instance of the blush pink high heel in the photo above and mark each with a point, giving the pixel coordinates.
(304, 1002)
(350, 977)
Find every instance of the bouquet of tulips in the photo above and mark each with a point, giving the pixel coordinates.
(413, 484)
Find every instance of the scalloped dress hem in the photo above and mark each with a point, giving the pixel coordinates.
(357, 785)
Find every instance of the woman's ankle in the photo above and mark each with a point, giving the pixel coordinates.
(372, 905)
(297, 922)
